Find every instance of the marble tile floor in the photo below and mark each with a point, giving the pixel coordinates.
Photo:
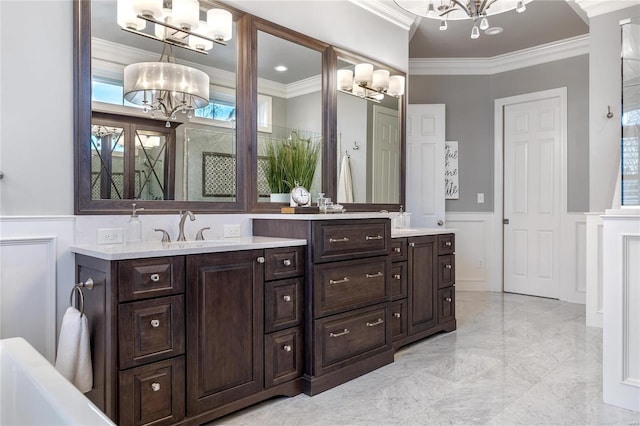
(514, 360)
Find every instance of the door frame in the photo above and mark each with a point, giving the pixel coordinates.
(498, 173)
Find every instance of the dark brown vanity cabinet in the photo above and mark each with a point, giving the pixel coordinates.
(425, 267)
(192, 338)
(347, 329)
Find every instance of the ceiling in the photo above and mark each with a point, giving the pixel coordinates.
(544, 21)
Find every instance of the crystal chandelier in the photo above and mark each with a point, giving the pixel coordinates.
(476, 10)
(166, 87)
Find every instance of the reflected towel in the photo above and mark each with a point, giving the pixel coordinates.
(74, 351)
(345, 184)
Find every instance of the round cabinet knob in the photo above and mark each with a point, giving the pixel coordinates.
(155, 277)
(155, 386)
(260, 259)
(448, 266)
(396, 314)
(447, 243)
(447, 299)
(396, 249)
(397, 276)
(286, 298)
(286, 348)
(155, 323)
(287, 262)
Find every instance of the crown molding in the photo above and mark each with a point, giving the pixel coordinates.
(544, 53)
(600, 7)
(387, 11)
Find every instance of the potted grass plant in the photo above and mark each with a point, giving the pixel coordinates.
(290, 162)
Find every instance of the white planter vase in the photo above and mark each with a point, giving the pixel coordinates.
(280, 198)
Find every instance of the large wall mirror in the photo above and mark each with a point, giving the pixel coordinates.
(144, 149)
(215, 159)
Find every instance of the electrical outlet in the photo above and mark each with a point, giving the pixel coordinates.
(480, 197)
(480, 264)
(231, 231)
(110, 236)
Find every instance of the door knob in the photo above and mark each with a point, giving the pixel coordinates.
(440, 223)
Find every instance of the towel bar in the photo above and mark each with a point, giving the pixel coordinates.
(88, 284)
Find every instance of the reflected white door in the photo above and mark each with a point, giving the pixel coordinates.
(532, 197)
(425, 164)
(386, 156)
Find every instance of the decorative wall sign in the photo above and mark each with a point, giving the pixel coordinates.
(451, 186)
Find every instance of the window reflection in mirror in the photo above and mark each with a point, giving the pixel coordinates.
(289, 107)
(630, 148)
(369, 136)
(205, 144)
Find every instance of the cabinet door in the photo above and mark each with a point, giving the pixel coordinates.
(446, 305)
(224, 328)
(423, 284)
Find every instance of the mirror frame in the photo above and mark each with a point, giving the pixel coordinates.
(246, 125)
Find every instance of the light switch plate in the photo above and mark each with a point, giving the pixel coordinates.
(480, 197)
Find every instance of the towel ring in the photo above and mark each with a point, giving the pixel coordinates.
(79, 298)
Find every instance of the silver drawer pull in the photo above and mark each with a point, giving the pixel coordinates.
(396, 249)
(397, 276)
(377, 237)
(155, 277)
(260, 259)
(286, 298)
(344, 280)
(376, 275)
(342, 333)
(447, 243)
(286, 262)
(412, 244)
(338, 240)
(447, 299)
(155, 386)
(448, 266)
(396, 314)
(286, 348)
(155, 323)
(373, 324)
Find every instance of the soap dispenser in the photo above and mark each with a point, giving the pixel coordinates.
(134, 227)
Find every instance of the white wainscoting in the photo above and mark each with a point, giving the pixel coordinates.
(475, 265)
(36, 278)
(479, 250)
(593, 269)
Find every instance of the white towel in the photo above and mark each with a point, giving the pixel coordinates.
(74, 351)
(345, 184)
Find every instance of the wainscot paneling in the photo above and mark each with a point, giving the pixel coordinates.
(36, 278)
(573, 252)
(593, 269)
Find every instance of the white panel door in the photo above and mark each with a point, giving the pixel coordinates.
(386, 155)
(532, 198)
(425, 164)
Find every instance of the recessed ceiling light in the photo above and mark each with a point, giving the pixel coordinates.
(493, 30)
(281, 68)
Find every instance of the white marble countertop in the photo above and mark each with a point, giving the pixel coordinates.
(177, 248)
(323, 216)
(417, 232)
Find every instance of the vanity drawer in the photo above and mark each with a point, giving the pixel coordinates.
(153, 277)
(398, 249)
(446, 270)
(346, 239)
(342, 337)
(283, 263)
(283, 360)
(150, 330)
(446, 304)
(398, 319)
(398, 280)
(153, 394)
(351, 284)
(446, 243)
(283, 304)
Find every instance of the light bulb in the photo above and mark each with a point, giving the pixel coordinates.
(475, 32)
(148, 8)
(186, 14)
(520, 6)
(363, 74)
(220, 24)
(443, 24)
(345, 79)
(484, 24)
(430, 9)
(396, 85)
(127, 18)
(380, 79)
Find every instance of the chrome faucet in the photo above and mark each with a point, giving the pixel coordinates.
(183, 217)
